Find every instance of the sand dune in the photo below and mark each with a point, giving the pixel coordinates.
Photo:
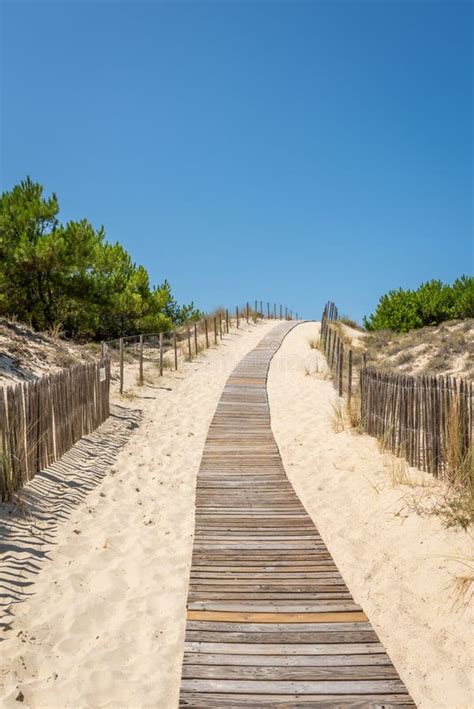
(108, 561)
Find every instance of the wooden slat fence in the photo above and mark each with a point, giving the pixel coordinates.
(428, 420)
(41, 420)
(333, 347)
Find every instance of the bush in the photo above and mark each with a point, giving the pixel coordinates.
(432, 303)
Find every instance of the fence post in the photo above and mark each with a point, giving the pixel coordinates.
(215, 330)
(140, 366)
(195, 338)
(286, 312)
(261, 309)
(220, 326)
(161, 354)
(190, 354)
(256, 311)
(268, 310)
(334, 346)
(237, 315)
(349, 379)
(121, 364)
(281, 312)
(175, 346)
(341, 368)
(227, 320)
(206, 328)
(247, 313)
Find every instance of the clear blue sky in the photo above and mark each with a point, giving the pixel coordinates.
(292, 151)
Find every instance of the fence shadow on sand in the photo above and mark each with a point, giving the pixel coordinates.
(29, 525)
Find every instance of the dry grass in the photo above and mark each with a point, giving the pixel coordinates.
(452, 503)
(353, 413)
(346, 416)
(56, 331)
(318, 370)
(445, 349)
(459, 466)
(345, 320)
(399, 472)
(315, 343)
(383, 441)
(401, 475)
(338, 418)
(168, 363)
(463, 584)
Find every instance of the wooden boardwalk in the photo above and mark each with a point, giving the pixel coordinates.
(270, 621)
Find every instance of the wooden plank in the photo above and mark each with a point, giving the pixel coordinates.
(285, 649)
(282, 660)
(341, 672)
(279, 636)
(295, 701)
(250, 627)
(280, 608)
(382, 686)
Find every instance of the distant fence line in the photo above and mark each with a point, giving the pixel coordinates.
(426, 419)
(190, 338)
(42, 419)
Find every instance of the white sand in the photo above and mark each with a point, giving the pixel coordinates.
(399, 566)
(105, 625)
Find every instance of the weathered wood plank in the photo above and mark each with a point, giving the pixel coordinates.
(269, 660)
(285, 648)
(357, 672)
(265, 607)
(382, 686)
(280, 636)
(295, 701)
(277, 616)
(223, 626)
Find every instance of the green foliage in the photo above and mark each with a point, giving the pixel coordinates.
(432, 303)
(68, 274)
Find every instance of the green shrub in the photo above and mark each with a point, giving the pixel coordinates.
(432, 303)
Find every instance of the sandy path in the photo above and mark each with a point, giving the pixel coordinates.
(105, 625)
(400, 567)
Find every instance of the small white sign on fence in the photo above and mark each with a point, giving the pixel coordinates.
(102, 374)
